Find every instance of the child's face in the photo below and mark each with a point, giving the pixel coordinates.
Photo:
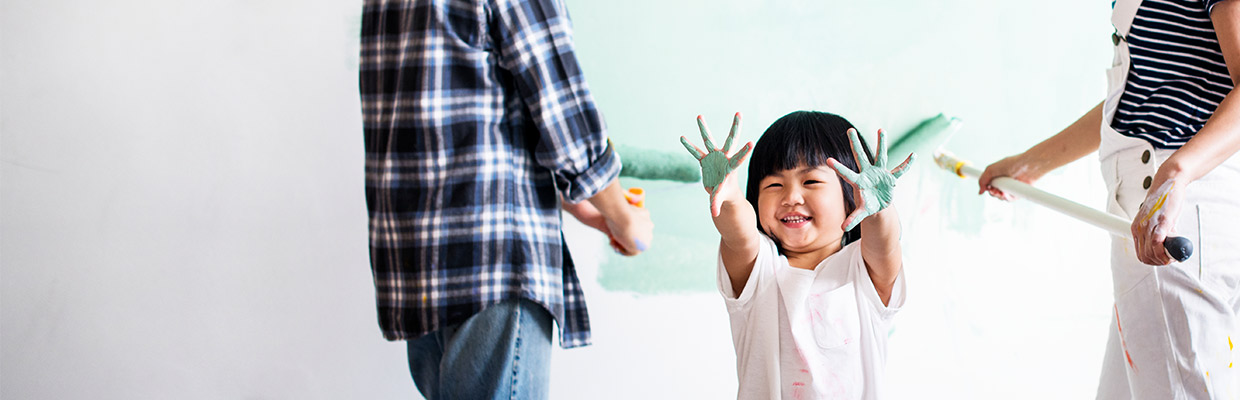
(803, 208)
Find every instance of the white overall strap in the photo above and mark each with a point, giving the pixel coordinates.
(1122, 15)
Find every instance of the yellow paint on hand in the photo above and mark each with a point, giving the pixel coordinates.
(1158, 205)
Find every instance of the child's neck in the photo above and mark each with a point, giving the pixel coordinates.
(810, 259)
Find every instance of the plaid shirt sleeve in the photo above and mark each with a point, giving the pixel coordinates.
(534, 42)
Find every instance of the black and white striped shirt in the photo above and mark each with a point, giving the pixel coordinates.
(1177, 76)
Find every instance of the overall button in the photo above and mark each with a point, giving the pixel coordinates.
(1115, 38)
(1145, 157)
(1148, 181)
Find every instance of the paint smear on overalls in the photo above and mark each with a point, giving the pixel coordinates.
(1123, 343)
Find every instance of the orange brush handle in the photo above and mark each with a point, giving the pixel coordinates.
(636, 196)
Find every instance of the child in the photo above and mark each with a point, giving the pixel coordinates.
(810, 264)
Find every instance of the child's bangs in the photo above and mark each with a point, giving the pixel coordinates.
(802, 139)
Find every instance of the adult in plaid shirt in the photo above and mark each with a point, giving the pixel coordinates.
(478, 125)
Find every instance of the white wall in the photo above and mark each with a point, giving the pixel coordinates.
(182, 210)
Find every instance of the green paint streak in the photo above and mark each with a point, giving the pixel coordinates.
(925, 137)
(675, 265)
(656, 165)
(682, 258)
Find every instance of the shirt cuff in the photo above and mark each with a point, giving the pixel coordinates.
(593, 179)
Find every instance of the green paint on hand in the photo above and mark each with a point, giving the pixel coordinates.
(874, 182)
(714, 169)
(715, 163)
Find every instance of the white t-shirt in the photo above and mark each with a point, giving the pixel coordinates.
(802, 334)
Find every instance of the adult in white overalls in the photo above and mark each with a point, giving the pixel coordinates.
(1174, 324)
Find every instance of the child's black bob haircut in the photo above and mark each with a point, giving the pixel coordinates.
(804, 138)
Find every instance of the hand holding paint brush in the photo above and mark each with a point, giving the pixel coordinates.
(590, 215)
(635, 196)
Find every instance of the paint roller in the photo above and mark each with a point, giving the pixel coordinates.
(657, 165)
(1180, 248)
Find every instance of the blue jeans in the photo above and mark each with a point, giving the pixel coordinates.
(503, 352)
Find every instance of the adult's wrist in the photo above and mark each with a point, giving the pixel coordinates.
(611, 202)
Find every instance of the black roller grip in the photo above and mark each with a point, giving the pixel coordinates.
(1179, 247)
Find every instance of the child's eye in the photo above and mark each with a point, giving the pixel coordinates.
(811, 182)
(773, 185)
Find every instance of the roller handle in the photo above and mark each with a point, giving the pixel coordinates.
(1178, 247)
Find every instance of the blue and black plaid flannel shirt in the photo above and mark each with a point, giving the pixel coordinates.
(477, 120)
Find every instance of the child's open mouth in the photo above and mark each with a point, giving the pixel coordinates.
(795, 220)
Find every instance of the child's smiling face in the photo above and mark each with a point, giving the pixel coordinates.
(803, 208)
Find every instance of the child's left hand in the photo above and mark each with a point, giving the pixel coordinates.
(874, 185)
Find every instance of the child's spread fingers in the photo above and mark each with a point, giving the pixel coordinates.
(710, 145)
(740, 155)
(854, 139)
(848, 175)
(900, 169)
(881, 162)
(736, 128)
(694, 150)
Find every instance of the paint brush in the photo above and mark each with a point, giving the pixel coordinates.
(1178, 247)
(637, 198)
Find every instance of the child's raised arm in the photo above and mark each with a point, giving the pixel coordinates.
(733, 215)
(873, 188)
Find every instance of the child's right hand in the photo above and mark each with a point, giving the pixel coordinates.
(716, 165)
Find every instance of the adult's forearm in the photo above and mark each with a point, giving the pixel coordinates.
(1076, 141)
(1211, 146)
(610, 201)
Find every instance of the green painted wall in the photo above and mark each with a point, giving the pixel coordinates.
(654, 66)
